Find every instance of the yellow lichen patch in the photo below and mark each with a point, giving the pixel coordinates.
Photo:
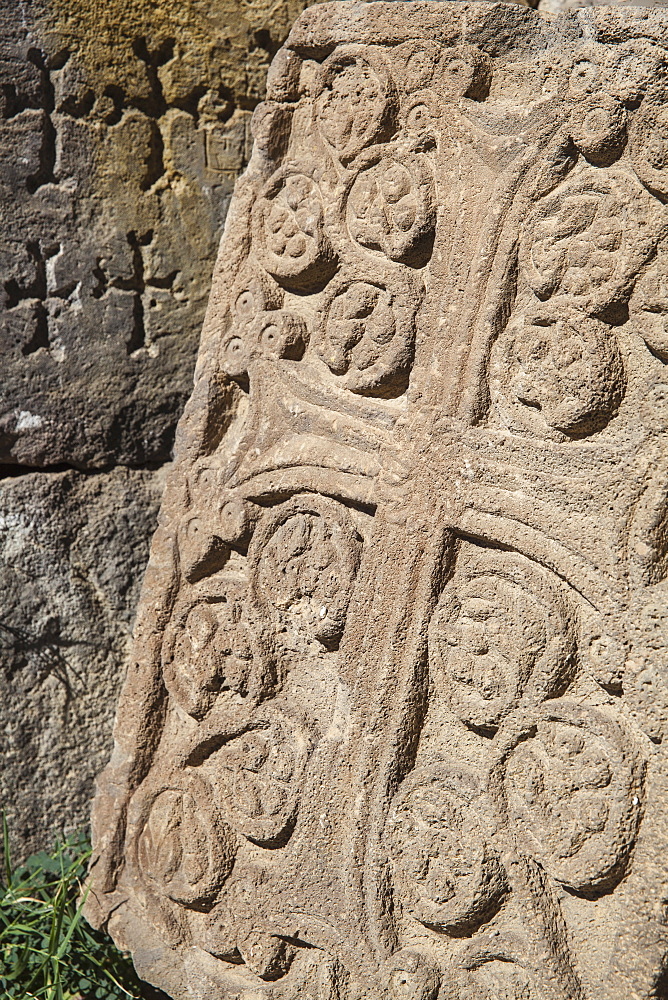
(152, 102)
(208, 45)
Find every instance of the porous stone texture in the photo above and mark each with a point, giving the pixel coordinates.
(122, 130)
(72, 551)
(123, 127)
(396, 726)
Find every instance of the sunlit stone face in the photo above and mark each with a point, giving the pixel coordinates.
(402, 645)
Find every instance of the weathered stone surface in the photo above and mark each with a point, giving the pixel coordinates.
(560, 6)
(72, 551)
(397, 723)
(122, 130)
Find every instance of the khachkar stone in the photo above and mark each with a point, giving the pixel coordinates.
(396, 727)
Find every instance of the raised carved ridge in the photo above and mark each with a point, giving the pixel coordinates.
(397, 723)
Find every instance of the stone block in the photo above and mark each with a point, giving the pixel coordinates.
(396, 721)
(72, 550)
(113, 123)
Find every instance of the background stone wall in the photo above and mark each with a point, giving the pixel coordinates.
(123, 125)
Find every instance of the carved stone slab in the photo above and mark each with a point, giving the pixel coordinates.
(396, 723)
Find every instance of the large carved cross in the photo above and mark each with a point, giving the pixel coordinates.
(396, 724)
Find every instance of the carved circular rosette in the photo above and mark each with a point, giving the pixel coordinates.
(288, 229)
(207, 651)
(366, 332)
(588, 239)
(598, 127)
(237, 927)
(500, 633)
(560, 369)
(257, 775)
(356, 100)
(632, 67)
(303, 561)
(648, 144)
(389, 205)
(447, 874)
(572, 784)
(183, 848)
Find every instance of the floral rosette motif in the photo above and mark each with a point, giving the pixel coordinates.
(257, 775)
(183, 848)
(357, 100)
(207, 652)
(236, 929)
(389, 206)
(500, 634)
(587, 240)
(447, 873)
(572, 782)
(566, 366)
(366, 334)
(303, 559)
(289, 230)
(558, 363)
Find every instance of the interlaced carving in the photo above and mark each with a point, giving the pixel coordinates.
(398, 719)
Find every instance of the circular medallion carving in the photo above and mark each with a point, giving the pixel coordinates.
(585, 77)
(289, 231)
(567, 367)
(420, 117)
(258, 774)
(366, 335)
(390, 208)
(357, 100)
(573, 243)
(574, 787)
(446, 872)
(304, 557)
(184, 849)
(206, 651)
(465, 71)
(237, 927)
(411, 976)
(498, 634)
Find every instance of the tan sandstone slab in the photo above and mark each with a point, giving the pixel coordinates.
(396, 723)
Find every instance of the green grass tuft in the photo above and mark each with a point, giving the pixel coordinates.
(47, 950)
